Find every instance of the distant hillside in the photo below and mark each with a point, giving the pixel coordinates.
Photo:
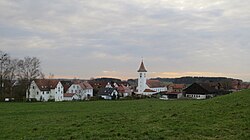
(190, 80)
(106, 79)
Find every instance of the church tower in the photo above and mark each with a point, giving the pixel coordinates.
(142, 78)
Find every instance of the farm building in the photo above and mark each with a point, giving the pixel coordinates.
(200, 91)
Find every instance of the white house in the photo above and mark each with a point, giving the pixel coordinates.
(156, 86)
(148, 87)
(124, 91)
(45, 89)
(78, 90)
(87, 90)
(70, 97)
(108, 93)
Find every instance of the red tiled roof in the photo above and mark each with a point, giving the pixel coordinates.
(179, 86)
(46, 84)
(154, 83)
(142, 68)
(123, 89)
(85, 85)
(149, 90)
(98, 84)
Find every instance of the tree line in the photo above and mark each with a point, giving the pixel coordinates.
(16, 75)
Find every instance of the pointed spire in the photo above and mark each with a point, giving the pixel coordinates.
(142, 67)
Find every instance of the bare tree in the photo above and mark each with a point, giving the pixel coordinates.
(10, 75)
(4, 63)
(28, 70)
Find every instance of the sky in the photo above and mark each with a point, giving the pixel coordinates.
(96, 38)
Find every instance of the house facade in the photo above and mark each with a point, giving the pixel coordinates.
(45, 90)
(124, 91)
(77, 90)
(108, 93)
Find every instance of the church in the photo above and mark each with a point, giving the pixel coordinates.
(148, 87)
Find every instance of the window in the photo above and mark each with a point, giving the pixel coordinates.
(37, 93)
(140, 75)
(33, 87)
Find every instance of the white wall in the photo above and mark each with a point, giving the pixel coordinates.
(67, 98)
(56, 93)
(142, 79)
(159, 89)
(34, 91)
(74, 88)
(196, 96)
(59, 92)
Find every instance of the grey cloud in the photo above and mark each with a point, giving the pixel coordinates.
(84, 38)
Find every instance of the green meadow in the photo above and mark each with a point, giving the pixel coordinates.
(224, 117)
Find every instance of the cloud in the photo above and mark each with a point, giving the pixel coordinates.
(84, 38)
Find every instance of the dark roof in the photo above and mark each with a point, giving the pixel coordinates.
(98, 84)
(142, 68)
(106, 91)
(66, 85)
(149, 90)
(200, 88)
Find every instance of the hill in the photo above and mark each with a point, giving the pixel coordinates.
(190, 80)
(224, 117)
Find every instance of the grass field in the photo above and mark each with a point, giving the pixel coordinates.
(225, 117)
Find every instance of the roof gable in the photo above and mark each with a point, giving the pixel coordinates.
(46, 84)
(201, 88)
(142, 68)
(106, 91)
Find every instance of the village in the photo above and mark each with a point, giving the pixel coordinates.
(112, 89)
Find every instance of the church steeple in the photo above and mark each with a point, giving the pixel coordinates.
(142, 67)
(142, 78)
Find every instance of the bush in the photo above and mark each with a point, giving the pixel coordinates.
(51, 100)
